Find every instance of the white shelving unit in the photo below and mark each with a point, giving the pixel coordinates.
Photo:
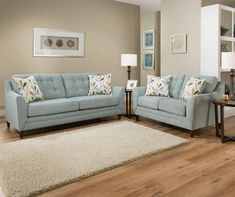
(214, 41)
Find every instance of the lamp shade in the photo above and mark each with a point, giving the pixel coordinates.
(128, 60)
(228, 60)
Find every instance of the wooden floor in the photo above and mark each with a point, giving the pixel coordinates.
(203, 167)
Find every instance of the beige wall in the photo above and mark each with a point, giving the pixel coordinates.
(179, 17)
(149, 20)
(111, 28)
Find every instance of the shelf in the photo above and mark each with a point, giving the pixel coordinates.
(226, 38)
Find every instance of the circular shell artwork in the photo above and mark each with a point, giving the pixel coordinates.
(48, 42)
(70, 43)
(59, 43)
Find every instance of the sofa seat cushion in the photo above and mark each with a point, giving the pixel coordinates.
(174, 106)
(53, 106)
(151, 102)
(97, 101)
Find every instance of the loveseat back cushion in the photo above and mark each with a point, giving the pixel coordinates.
(51, 85)
(210, 83)
(75, 84)
(175, 86)
(173, 106)
(53, 106)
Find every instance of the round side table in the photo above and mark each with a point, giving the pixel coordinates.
(219, 126)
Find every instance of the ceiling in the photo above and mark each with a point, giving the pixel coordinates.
(147, 4)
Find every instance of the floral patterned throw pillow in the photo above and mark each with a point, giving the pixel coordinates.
(193, 86)
(157, 86)
(29, 89)
(100, 84)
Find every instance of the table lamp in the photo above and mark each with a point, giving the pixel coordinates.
(128, 60)
(228, 62)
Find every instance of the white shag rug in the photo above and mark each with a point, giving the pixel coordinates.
(32, 166)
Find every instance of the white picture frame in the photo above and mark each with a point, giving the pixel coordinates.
(179, 43)
(149, 39)
(148, 60)
(131, 84)
(58, 43)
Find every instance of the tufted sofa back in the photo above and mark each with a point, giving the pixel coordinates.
(76, 84)
(51, 85)
(55, 86)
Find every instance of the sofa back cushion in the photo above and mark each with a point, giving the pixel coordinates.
(175, 86)
(75, 84)
(210, 83)
(51, 85)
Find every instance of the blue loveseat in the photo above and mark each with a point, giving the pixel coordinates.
(197, 113)
(65, 100)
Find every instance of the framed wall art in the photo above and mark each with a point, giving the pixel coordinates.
(179, 43)
(60, 43)
(148, 39)
(131, 84)
(148, 60)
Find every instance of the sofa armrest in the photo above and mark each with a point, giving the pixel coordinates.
(138, 91)
(120, 93)
(15, 109)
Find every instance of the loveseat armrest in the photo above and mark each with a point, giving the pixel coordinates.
(15, 108)
(138, 91)
(199, 110)
(120, 93)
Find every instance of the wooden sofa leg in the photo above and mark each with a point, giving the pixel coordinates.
(137, 118)
(191, 134)
(21, 134)
(8, 124)
(119, 117)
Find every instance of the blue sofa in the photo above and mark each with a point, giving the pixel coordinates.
(197, 113)
(65, 100)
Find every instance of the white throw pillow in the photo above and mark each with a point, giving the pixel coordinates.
(100, 84)
(193, 86)
(28, 88)
(157, 86)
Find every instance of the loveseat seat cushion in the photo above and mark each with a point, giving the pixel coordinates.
(151, 102)
(53, 106)
(51, 85)
(76, 84)
(173, 106)
(97, 101)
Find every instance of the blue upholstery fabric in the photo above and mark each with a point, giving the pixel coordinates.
(197, 113)
(137, 92)
(175, 86)
(76, 84)
(51, 86)
(15, 107)
(151, 102)
(97, 101)
(53, 106)
(211, 83)
(174, 106)
(57, 111)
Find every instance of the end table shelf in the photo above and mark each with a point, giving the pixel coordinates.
(220, 125)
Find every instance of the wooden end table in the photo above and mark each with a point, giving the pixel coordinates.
(219, 126)
(128, 103)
